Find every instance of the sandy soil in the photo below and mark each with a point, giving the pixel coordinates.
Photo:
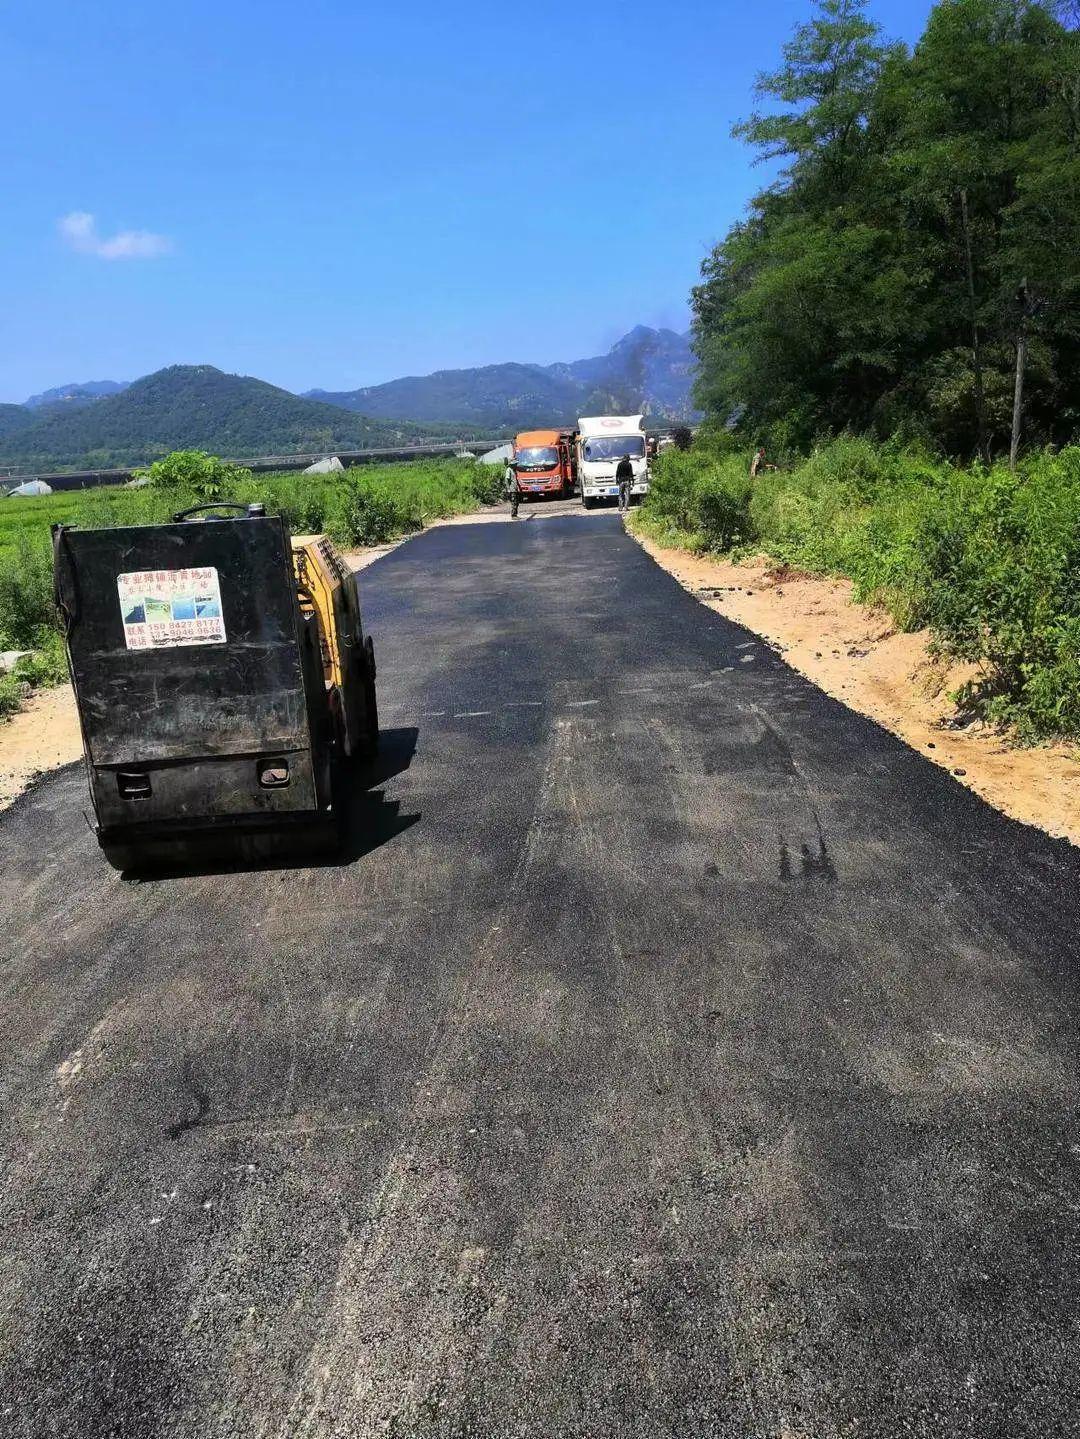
(43, 735)
(854, 653)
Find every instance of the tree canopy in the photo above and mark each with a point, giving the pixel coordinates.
(874, 284)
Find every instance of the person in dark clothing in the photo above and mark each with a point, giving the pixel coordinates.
(624, 476)
(510, 481)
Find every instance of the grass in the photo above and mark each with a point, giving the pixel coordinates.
(34, 514)
(984, 558)
(367, 505)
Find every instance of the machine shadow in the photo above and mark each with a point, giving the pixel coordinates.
(367, 821)
(370, 820)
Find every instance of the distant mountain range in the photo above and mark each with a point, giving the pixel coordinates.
(650, 370)
(75, 396)
(102, 423)
(188, 407)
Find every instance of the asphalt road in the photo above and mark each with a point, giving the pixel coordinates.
(676, 1054)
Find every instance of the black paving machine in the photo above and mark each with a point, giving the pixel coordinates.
(223, 681)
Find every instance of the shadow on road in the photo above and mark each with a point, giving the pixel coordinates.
(371, 819)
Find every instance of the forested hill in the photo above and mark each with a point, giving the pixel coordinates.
(13, 420)
(511, 395)
(184, 407)
(647, 369)
(876, 286)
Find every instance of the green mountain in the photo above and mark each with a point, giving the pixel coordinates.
(200, 407)
(190, 407)
(649, 370)
(13, 420)
(510, 395)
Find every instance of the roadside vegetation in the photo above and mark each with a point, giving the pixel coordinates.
(982, 556)
(924, 221)
(917, 250)
(367, 505)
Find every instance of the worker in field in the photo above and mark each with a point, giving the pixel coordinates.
(624, 478)
(759, 463)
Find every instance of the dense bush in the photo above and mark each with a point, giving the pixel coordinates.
(984, 558)
(998, 558)
(699, 498)
(366, 505)
(28, 618)
(196, 473)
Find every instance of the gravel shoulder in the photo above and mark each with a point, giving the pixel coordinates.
(854, 653)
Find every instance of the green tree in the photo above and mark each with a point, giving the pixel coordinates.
(872, 286)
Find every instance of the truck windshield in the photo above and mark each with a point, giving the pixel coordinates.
(537, 457)
(613, 447)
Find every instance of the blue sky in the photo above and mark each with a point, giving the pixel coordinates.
(334, 194)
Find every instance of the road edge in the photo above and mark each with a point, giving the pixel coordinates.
(1038, 786)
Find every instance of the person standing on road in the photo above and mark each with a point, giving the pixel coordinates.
(510, 481)
(624, 477)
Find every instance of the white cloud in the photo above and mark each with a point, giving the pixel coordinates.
(80, 231)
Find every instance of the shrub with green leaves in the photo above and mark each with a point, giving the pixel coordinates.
(699, 498)
(999, 556)
(195, 473)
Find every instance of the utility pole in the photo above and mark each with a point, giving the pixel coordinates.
(976, 357)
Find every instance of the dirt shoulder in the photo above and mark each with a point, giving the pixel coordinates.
(855, 654)
(43, 735)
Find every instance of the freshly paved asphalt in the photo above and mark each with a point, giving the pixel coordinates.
(676, 1054)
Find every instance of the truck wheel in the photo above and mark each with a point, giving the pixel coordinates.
(587, 504)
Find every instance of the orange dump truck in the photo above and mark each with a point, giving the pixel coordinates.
(544, 462)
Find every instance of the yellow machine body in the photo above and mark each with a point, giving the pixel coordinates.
(326, 587)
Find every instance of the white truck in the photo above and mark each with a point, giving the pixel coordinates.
(602, 441)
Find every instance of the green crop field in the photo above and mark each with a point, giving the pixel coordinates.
(35, 514)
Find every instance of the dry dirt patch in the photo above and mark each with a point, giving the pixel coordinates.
(854, 653)
(43, 735)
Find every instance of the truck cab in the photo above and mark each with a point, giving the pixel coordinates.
(543, 463)
(602, 441)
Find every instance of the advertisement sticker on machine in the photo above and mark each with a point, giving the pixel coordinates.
(167, 608)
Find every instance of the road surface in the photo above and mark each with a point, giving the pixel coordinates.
(676, 1053)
